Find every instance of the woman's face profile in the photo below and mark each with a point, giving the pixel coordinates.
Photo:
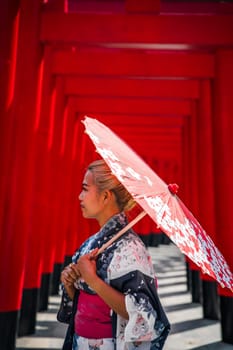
(91, 200)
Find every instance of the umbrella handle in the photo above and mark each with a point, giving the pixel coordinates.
(120, 233)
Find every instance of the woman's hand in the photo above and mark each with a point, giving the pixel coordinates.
(68, 276)
(86, 266)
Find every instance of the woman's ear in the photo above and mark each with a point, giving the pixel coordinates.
(107, 195)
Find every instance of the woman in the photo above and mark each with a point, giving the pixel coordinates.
(116, 303)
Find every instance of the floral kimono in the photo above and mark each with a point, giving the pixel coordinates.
(126, 265)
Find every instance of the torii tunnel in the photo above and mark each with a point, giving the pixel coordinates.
(157, 72)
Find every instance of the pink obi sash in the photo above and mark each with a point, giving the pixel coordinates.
(92, 318)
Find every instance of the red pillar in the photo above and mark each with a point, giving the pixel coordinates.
(20, 114)
(54, 236)
(223, 167)
(193, 194)
(186, 182)
(67, 200)
(206, 198)
(40, 200)
(58, 188)
(185, 162)
(73, 241)
(9, 22)
(157, 235)
(78, 223)
(82, 153)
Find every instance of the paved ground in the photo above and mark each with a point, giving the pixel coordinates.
(189, 329)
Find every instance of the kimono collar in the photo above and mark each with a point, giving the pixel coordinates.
(113, 225)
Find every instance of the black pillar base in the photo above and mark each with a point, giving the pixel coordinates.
(226, 308)
(196, 286)
(67, 261)
(44, 292)
(27, 314)
(188, 276)
(155, 239)
(211, 308)
(55, 280)
(165, 239)
(56, 277)
(8, 330)
(145, 239)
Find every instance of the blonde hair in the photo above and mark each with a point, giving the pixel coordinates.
(105, 180)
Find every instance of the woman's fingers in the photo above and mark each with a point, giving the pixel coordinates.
(75, 270)
(94, 254)
(69, 275)
(87, 266)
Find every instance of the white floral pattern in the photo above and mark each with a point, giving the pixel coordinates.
(93, 344)
(129, 257)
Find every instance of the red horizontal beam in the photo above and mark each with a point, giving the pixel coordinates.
(152, 148)
(129, 120)
(155, 151)
(152, 144)
(151, 128)
(163, 140)
(133, 64)
(131, 106)
(201, 30)
(145, 6)
(144, 140)
(79, 85)
(145, 135)
(199, 6)
(103, 6)
(137, 121)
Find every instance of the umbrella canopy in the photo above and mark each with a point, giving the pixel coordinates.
(160, 202)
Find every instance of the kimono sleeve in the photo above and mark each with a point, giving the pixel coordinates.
(65, 309)
(131, 272)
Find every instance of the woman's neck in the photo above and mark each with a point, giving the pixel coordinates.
(103, 220)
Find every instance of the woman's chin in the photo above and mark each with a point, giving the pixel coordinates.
(85, 215)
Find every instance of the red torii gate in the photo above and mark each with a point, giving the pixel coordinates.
(79, 63)
(79, 106)
(192, 31)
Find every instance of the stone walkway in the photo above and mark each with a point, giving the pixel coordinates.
(189, 329)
